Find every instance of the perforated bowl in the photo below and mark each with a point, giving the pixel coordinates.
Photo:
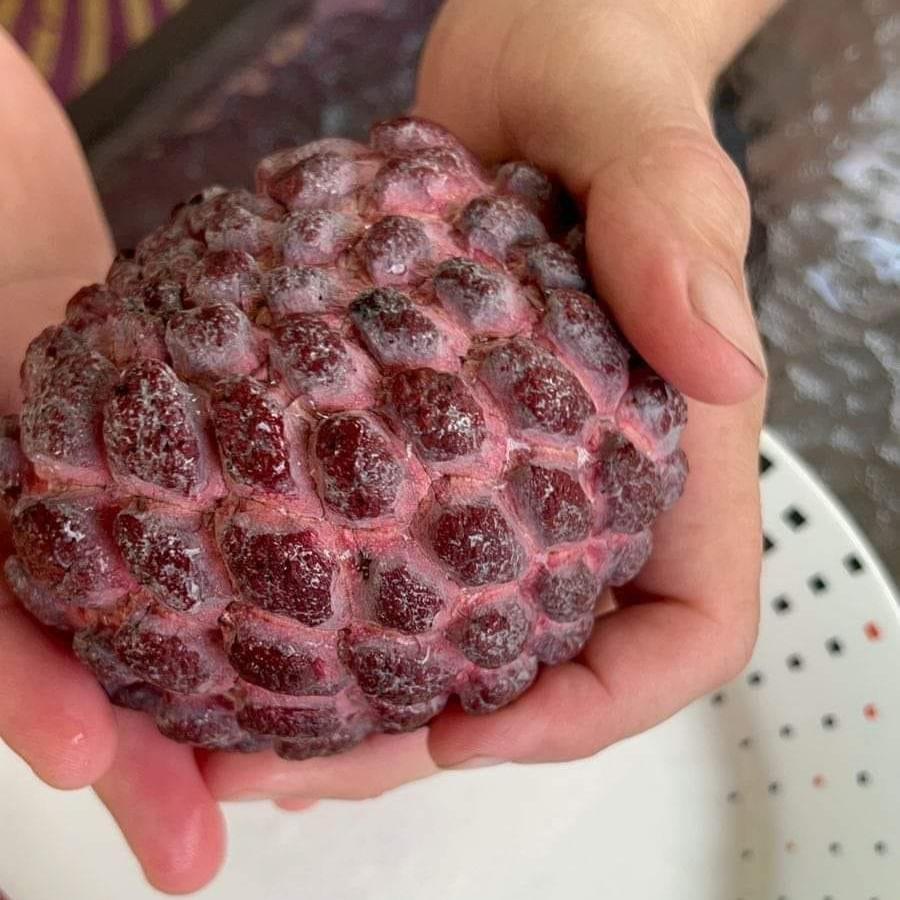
(784, 785)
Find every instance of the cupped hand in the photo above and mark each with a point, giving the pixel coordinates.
(53, 240)
(611, 97)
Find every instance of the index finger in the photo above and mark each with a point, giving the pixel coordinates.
(53, 237)
(54, 224)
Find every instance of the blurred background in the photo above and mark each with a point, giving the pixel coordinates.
(171, 95)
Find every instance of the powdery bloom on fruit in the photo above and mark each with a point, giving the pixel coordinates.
(319, 457)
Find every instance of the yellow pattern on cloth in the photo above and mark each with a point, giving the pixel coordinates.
(44, 44)
(139, 18)
(75, 42)
(9, 11)
(93, 60)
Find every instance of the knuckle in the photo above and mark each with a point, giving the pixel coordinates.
(692, 175)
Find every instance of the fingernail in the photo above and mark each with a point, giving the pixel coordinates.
(717, 300)
(477, 762)
(296, 804)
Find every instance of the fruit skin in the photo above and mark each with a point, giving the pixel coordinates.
(316, 459)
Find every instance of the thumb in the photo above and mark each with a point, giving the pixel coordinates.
(610, 104)
(667, 230)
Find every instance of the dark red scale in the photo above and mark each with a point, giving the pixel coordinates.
(429, 179)
(13, 465)
(150, 429)
(169, 252)
(162, 556)
(289, 722)
(210, 342)
(537, 389)
(551, 266)
(630, 484)
(395, 672)
(566, 594)
(62, 543)
(437, 412)
(128, 336)
(405, 602)
(553, 501)
(401, 718)
(279, 668)
(272, 661)
(476, 293)
(298, 749)
(177, 265)
(321, 180)
(630, 555)
(51, 348)
(228, 276)
(315, 236)
(164, 660)
(250, 431)
(56, 347)
(66, 387)
(494, 225)
(477, 543)
(673, 472)
(561, 642)
(583, 329)
(140, 697)
(94, 647)
(409, 135)
(124, 275)
(158, 297)
(91, 305)
(211, 724)
(234, 220)
(487, 690)
(227, 265)
(298, 289)
(394, 328)
(529, 184)
(308, 353)
(360, 476)
(657, 405)
(164, 243)
(492, 635)
(284, 572)
(393, 249)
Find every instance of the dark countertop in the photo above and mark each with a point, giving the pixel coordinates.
(816, 97)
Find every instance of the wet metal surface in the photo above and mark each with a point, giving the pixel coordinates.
(818, 94)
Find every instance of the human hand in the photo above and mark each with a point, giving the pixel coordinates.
(648, 223)
(53, 713)
(612, 98)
